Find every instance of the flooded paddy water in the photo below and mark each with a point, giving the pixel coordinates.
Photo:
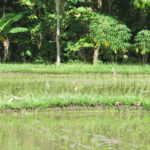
(107, 129)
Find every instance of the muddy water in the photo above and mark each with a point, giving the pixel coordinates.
(75, 130)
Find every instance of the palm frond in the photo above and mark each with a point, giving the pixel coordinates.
(5, 28)
(18, 29)
(5, 19)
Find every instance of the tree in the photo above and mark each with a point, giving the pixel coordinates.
(107, 32)
(97, 31)
(6, 28)
(75, 32)
(142, 44)
(143, 8)
(78, 39)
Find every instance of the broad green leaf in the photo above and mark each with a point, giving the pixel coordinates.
(18, 29)
(7, 25)
(4, 19)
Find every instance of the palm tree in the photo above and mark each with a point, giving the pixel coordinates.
(6, 28)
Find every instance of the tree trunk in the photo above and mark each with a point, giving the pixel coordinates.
(58, 60)
(109, 6)
(83, 54)
(100, 4)
(5, 56)
(145, 58)
(4, 8)
(95, 56)
(39, 44)
(116, 58)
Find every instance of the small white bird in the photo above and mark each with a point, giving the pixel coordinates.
(75, 86)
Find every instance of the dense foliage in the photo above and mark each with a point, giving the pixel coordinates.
(91, 31)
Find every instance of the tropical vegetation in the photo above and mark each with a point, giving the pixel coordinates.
(91, 31)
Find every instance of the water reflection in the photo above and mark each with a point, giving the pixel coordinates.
(75, 130)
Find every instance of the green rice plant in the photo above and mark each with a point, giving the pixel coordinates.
(45, 90)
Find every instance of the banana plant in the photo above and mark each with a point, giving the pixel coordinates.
(6, 28)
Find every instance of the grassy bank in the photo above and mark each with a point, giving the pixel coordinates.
(76, 100)
(19, 90)
(75, 68)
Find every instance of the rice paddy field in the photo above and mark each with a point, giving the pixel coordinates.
(43, 107)
(106, 129)
(31, 90)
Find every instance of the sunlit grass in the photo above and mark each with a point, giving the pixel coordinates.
(77, 100)
(75, 68)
